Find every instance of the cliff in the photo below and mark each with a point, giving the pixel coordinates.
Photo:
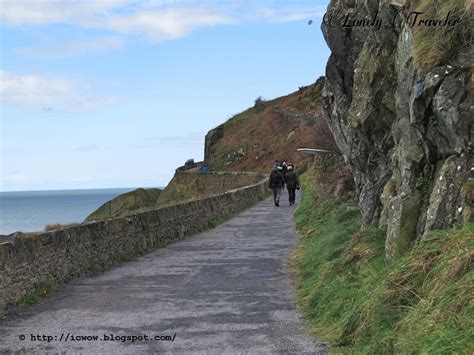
(399, 103)
(273, 129)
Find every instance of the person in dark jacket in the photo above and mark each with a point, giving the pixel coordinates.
(276, 182)
(292, 183)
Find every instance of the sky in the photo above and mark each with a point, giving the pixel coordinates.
(103, 94)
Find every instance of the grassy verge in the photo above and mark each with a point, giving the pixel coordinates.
(421, 302)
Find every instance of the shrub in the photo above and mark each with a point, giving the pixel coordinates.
(259, 104)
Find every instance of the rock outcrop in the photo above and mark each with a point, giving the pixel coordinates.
(406, 132)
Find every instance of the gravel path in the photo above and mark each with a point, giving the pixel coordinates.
(226, 290)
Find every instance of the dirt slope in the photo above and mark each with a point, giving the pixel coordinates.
(274, 129)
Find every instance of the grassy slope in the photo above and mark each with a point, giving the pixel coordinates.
(421, 302)
(126, 203)
(442, 45)
(191, 187)
(265, 135)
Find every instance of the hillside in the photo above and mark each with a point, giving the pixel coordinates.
(125, 203)
(273, 129)
(186, 186)
(418, 303)
(251, 141)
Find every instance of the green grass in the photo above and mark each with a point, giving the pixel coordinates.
(43, 289)
(94, 269)
(126, 203)
(440, 45)
(420, 302)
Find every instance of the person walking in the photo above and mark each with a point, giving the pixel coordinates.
(285, 167)
(292, 184)
(276, 182)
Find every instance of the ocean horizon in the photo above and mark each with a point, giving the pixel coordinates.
(31, 211)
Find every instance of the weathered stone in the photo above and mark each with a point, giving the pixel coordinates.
(389, 191)
(392, 121)
(445, 196)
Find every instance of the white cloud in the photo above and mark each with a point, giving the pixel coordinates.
(164, 24)
(59, 50)
(34, 91)
(157, 20)
(42, 12)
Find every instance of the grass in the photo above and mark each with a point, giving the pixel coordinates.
(420, 302)
(440, 45)
(42, 290)
(185, 188)
(126, 203)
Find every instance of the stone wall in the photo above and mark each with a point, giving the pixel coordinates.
(60, 255)
(295, 116)
(190, 184)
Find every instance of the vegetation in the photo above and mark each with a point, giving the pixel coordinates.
(42, 290)
(254, 138)
(425, 177)
(125, 203)
(182, 189)
(259, 104)
(188, 187)
(441, 44)
(421, 302)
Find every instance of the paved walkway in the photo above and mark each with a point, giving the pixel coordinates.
(226, 290)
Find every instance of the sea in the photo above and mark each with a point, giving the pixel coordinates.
(30, 211)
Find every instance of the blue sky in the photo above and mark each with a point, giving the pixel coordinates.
(99, 94)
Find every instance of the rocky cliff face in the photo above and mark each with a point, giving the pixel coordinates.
(405, 132)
